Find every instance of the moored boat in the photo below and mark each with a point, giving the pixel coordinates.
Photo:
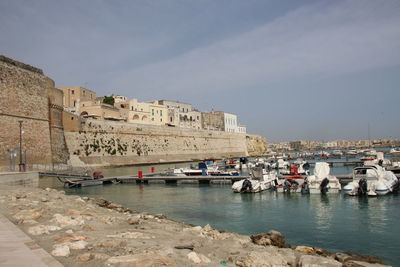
(321, 182)
(371, 180)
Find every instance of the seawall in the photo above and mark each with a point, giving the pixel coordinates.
(105, 143)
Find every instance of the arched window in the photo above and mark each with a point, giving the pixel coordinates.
(135, 117)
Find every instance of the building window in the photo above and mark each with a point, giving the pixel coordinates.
(161, 119)
(72, 91)
(152, 112)
(160, 112)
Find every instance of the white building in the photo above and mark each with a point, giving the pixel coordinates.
(230, 122)
(242, 129)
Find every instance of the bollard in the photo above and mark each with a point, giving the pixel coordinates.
(140, 174)
(152, 169)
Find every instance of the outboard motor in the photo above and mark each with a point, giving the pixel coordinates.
(305, 188)
(362, 187)
(246, 186)
(286, 186)
(323, 187)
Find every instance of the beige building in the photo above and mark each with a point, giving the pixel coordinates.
(96, 109)
(146, 112)
(74, 95)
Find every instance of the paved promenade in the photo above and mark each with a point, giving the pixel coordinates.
(18, 249)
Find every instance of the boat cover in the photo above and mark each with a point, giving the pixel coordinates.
(321, 170)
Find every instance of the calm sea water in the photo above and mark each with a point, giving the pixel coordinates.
(334, 222)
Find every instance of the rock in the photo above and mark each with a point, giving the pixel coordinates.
(362, 264)
(114, 206)
(272, 238)
(88, 227)
(72, 212)
(61, 251)
(42, 229)
(100, 256)
(111, 243)
(69, 231)
(19, 196)
(85, 198)
(107, 219)
(290, 255)
(131, 235)
(364, 258)
(64, 221)
(160, 216)
(78, 245)
(342, 257)
(71, 237)
(207, 228)
(323, 252)
(31, 214)
(194, 229)
(43, 199)
(29, 222)
(48, 189)
(316, 261)
(305, 249)
(198, 258)
(133, 220)
(267, 259)
(85, 257)
(143, 260)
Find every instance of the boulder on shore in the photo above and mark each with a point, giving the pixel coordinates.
(272, 238)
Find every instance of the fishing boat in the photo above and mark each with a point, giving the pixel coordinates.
(321, 182)
(371, 180)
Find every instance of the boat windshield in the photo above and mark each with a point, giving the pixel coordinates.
(367, 173)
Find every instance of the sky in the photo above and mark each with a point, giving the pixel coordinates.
(291, 70)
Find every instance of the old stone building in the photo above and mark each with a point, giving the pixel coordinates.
(73, 96)
(182, 114)
(27, 95)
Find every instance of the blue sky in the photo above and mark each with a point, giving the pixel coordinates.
(315, 70)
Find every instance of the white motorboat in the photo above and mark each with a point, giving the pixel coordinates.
(254, 186)
(371, 180)
(379, 160)
(204, 169)
(321, 182)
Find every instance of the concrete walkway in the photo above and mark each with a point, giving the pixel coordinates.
(18, 249)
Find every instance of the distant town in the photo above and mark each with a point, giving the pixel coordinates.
(301, 145)
(84, 102)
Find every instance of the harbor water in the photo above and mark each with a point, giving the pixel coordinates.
(334, 222)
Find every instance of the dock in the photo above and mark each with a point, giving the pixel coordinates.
(71, 180)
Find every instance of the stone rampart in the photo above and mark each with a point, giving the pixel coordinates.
(105, 143)
(24, 96)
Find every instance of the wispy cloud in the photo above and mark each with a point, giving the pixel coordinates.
(347, 36)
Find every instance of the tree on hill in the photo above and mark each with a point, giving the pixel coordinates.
(109, 100)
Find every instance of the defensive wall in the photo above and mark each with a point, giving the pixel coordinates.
(102, 143)
(27, 95)
(53, 137)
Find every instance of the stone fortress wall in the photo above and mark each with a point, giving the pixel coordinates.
(103, 143)
(53, 136)
(24, 96)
